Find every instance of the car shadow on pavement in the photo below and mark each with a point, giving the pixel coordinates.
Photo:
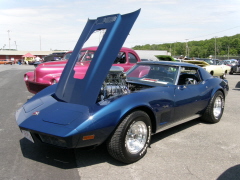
(176, 129)
(61, 158)
(66, 158)
(77, 158)
(100, 154)
(231, 173)
(95, 156)
(238, 85)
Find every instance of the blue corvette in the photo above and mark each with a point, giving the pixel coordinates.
(123, 110)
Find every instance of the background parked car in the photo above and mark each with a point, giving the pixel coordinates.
(213, 66)
(235, 68)
(6, 62)
(51, 57)
(230, 62)
(49, 73)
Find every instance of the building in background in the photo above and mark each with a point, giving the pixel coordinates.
(18, 55)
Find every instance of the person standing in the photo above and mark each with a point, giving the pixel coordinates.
(37, 59)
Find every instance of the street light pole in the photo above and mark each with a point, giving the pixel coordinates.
(8, 39)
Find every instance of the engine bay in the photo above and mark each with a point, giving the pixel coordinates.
(115, 84)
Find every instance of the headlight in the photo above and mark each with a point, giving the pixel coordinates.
(25, 77)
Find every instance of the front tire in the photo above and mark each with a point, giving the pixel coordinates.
(131, 139)
(215, 108)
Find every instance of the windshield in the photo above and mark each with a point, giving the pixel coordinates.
(86, 55)
(66, 56)
(209, 61)
(153, 74)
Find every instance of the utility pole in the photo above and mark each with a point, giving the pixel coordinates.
(186, 47)
(15, 44)
(174, 49)
(228, 51)
(215, 48)
(40, 44)
(8, 39)
(171, 49)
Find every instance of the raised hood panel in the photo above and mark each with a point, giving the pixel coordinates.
(197, 62)
(85, 91)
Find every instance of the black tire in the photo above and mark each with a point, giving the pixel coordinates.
(216, 105)
(224, 76)
(119, 146)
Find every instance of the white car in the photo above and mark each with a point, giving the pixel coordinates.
(230, 62)
(213, 66)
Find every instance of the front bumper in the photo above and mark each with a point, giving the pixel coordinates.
(62, 142)
(78, 140)
(34, 87)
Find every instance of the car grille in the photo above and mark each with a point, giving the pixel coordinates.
(53, 140)
(36, 87)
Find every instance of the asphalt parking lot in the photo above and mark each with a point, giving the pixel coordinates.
(194, 150)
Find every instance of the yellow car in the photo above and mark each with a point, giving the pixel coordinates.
(213, 66)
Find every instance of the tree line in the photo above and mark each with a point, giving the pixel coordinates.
(222, 47)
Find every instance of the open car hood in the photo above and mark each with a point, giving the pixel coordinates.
(85, 91)
(197, 62)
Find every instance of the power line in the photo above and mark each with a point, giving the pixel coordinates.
(215, 32)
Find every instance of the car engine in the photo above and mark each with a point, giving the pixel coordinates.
(114, 84)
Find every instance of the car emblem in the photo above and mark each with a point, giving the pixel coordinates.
(36, 113)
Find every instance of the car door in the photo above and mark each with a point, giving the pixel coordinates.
(190, 97)
(220, 67)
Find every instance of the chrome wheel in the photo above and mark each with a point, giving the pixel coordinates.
(217, 108)
(136, 137)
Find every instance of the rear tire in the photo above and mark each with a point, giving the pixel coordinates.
(215, 108)
(131, 139)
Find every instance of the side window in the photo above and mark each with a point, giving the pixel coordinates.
(132, 58)
(120, 59)
(189, 76)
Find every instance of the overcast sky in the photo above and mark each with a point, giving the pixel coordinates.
(57, 24)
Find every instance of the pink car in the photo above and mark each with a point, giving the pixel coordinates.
(49, 73)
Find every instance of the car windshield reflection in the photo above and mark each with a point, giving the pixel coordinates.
(153, 74)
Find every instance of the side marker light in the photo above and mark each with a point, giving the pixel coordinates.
(88, 137)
